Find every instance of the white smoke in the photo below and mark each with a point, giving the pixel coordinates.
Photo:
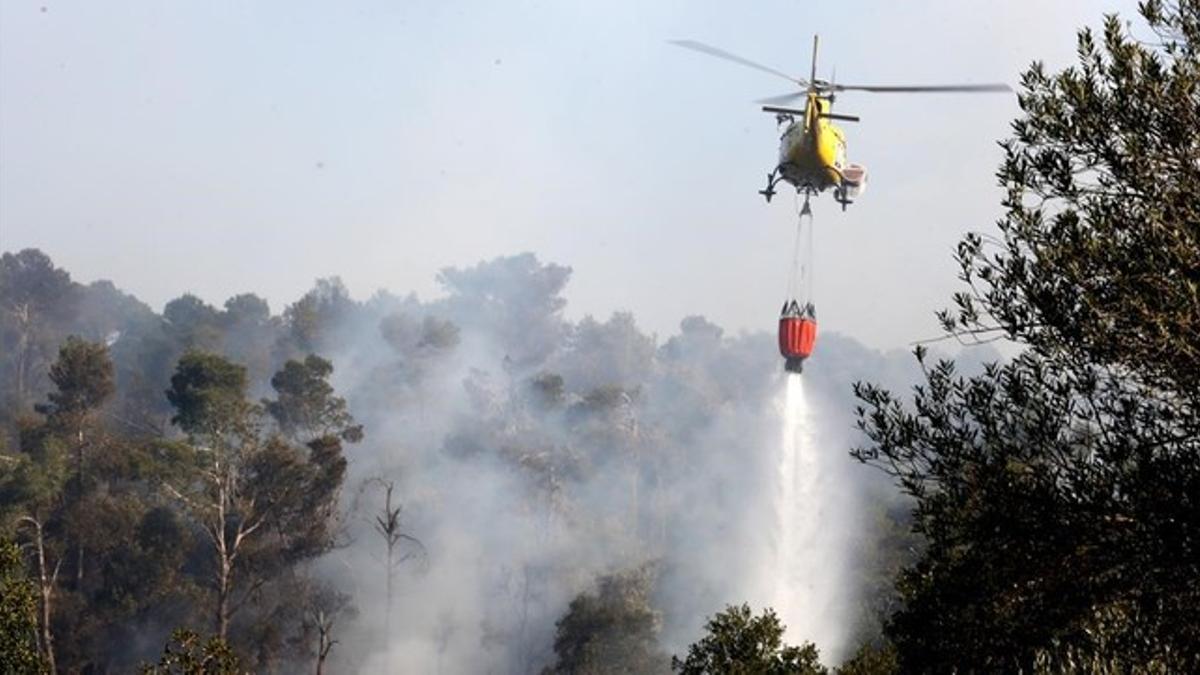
(651, 451)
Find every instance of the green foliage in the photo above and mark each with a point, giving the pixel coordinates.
(414, 340)
(1057, 492)
(1099, 257)
(614, 352)
(35, 300)
(265, 502)
(18, 615)
(29, 278)
(32, 482)
(614, 630)
(306, 407)
(517, 301)
(310, 320)
(208, 393)
(247, 308)
(302, 490)
(249, 334)
(739, 643)
(188, 654)
(192, 323)
(122, 551)
(83, 377)
(547, 391)
(144, 569)
(871, 660)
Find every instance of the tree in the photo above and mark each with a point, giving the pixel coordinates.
(34, 296)
(613, 630)
(323, 608)
(399, 545)
(48, 568)
(614, 353)
(186, 654)
(18, 622)
(1056, 492)
(146, 575)
(209, 396)
(306, 408)
(515, 300)
(308, 411)
(309, 321)
(422, 345)
(739, 643)
(83, 375)
(414, 339)
(31, 507)
(870, 660)
(265, 503)
(208, 393)
(249, 334)
(192, 323)
(1102, 179)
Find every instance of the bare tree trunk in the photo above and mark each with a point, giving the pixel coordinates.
(634, 450)
(22, 352)
(635, 479)
(46, 583)
(20, 375)
(214, 512)
(47, 610)
(391, 575)
(78, 501)
(325, 639)
(661, 500)
(388, 525)
(224, 560)
(223, 601)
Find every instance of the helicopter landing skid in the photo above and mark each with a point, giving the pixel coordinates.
(769, 191)
(839, 193)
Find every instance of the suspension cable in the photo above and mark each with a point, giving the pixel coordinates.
(803, 231)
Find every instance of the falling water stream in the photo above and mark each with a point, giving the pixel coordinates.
(809, 593)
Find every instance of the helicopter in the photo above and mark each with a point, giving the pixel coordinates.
(812, 149)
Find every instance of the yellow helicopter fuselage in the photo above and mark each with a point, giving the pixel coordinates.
(812, 150)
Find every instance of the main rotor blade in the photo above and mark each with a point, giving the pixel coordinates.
(816, 38)
(722, 54)
(931, 88)
(782, 99)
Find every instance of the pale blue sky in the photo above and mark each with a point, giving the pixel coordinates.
(222, 147)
